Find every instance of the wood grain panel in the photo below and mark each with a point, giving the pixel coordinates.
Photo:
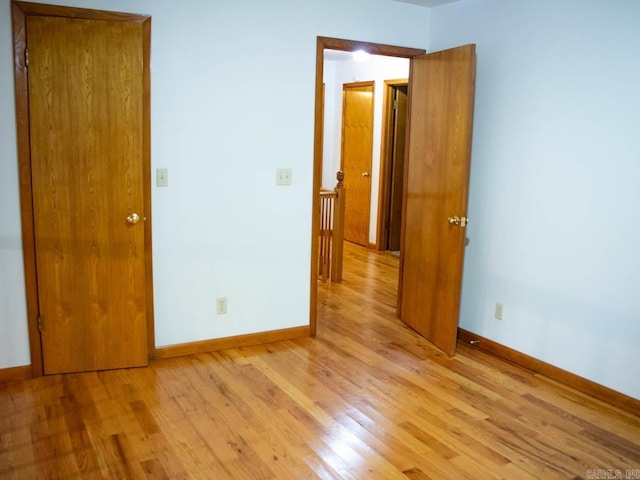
(145, 23)
(237, 341)
(356, 158)
(15, 373)
(21, 88)
(435, 188)
(368, 398)
(29, 8)
(86, 97)
(21, 11)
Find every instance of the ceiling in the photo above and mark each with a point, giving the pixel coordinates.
(427, 3)
(337, 55)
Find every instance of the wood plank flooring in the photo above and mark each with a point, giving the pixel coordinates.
(367, 399)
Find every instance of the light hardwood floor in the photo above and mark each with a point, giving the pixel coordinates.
(366, 399)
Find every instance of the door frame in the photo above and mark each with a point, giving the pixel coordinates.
(19, 13)
(384, 185)
(322, 44)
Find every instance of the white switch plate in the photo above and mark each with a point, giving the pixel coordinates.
(162, 177)
(283, 176)
(221, 305)
(499, 311)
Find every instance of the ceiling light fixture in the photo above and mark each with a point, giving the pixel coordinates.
(360, 55)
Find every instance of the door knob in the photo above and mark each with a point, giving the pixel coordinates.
(365, 174)
(133, 219)
(455, 220)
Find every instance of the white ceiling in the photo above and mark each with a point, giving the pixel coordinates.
(427, 3)
(337, 55)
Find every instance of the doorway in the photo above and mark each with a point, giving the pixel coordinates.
(435, 186)
(325, 43)
(394, 129)
(82, 101)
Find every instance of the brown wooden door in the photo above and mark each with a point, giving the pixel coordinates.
(436, 187)
(397, 165)
(86, 133)
(357, 151)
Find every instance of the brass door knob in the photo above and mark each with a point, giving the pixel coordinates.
(456, 220)
(133, 219)
(365, 174)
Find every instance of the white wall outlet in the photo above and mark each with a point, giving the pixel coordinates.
(162, 177)
(221, 305)
(499, 310)
(284, 176)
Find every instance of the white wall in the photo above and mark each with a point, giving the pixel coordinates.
(554, 180)
(553, 187)
(232, 100)
(337, 73)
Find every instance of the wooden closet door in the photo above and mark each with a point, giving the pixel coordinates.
(86, 127)
(357, 152)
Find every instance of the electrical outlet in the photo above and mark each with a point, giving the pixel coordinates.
(221, 305)
(499, 310)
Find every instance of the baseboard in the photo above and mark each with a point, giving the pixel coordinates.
(612, 397)
(15, 373)
(215, 344)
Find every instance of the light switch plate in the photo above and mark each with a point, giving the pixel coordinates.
(283, 176)
(221, 305)
(162, 177)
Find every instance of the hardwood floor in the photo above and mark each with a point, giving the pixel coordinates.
(367, 399)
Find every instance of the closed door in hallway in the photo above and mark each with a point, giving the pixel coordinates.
(357, 150)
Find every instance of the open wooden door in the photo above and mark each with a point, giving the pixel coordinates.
(441, 96)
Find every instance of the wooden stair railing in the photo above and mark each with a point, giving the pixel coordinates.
(331, 232)
(327, 201)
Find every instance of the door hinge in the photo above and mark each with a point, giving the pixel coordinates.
(395, 104)
(26, 57)
(39, 323)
